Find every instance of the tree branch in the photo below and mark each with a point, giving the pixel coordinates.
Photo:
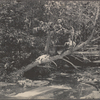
(95, 39)
(68, 52)
(93, 53)
(70, 63)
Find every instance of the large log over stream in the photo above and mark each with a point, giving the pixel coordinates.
(53, 58)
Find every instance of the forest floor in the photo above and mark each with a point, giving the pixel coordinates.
(64, 84)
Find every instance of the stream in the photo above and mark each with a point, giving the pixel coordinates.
(59, 85)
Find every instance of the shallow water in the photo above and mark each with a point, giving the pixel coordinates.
(62, 85)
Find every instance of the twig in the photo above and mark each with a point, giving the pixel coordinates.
(54, 63)
(66, 57)
(77, 58)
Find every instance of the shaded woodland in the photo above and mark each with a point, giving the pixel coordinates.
(41, 37)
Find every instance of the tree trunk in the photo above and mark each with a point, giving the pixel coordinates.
(48, 41)
(68, 52)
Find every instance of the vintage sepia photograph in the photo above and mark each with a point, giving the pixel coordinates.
(49, 49)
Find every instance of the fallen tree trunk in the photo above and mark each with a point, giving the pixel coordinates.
(68, 52)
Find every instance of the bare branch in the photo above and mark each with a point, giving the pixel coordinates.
(95, 39)
(93, 53)
(70, 63)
